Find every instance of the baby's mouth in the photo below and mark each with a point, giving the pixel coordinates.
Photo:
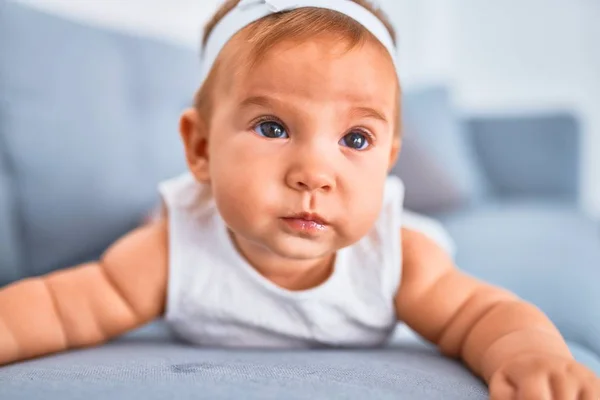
(307, 223)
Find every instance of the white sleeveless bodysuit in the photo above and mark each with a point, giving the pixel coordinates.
(215, 298)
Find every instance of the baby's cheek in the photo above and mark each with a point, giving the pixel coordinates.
(363, 211)
(242, 203)
(363, 223)
(234, 202)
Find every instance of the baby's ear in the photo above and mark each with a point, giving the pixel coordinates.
(194, 133)
(396, 146)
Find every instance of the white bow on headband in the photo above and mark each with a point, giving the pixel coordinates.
(249, 11)
(283, 5)
(273, 5)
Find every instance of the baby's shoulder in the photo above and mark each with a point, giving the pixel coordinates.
(137, 264)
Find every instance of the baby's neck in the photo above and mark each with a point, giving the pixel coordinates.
(294, 275)
(301, 278)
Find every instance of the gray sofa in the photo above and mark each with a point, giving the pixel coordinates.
(88, 123)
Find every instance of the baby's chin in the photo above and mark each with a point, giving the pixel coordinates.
(296, 248)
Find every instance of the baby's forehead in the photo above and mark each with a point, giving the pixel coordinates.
(321, 69)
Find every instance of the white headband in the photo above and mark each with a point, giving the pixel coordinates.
(249, 11)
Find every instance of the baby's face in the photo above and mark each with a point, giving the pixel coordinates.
(300, 146)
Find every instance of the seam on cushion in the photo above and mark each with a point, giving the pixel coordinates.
(17, 220)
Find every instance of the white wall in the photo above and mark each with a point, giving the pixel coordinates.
(178, 20)
(499, 56)
(529, 54)
(514, 56)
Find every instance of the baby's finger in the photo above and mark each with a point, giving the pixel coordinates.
(563, 388)
(591, 391)
(502, 389)
(535, 387)
(587, 394)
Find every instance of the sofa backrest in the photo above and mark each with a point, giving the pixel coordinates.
(535, 155)
(437, 163)
(84, 112)
(9, 244)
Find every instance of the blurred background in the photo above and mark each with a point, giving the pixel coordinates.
(510, 56)
(501, 110)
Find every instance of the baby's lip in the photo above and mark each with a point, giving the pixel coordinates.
(311, 217)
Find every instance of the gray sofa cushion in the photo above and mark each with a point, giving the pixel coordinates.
(534, 156)
(89, 123)
(547, 253)
(9, 243)
(148, 365)
(437, 163)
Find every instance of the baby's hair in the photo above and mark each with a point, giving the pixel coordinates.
(298, 24)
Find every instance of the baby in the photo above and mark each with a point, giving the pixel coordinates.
(287, 230)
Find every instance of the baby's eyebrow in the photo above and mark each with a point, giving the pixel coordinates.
(368, 112)
(261, 101)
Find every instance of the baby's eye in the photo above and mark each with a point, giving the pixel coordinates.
(355, 140)
(271, 129)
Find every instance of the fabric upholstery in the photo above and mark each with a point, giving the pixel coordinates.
(9, 240)
(437, 163)
(150, 366)
(534, 155)
(87, 146)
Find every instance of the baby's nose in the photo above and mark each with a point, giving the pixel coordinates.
(310, 178)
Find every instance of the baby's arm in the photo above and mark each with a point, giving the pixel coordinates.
(88, 304)
(500, 337)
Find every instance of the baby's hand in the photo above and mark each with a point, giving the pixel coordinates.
(544, 377)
